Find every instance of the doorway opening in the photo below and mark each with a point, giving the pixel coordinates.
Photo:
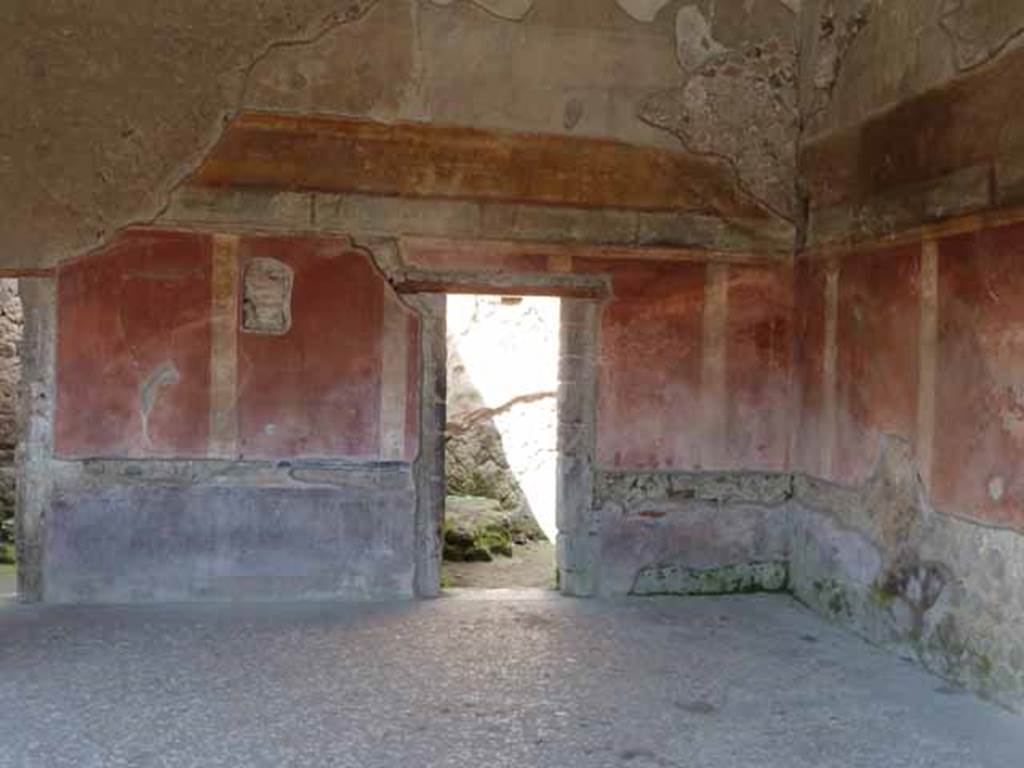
(501, 442)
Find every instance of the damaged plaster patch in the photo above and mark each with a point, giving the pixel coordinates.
(918, 586)
(864, 56)
(267, 297)
(879, 558)
(834, 38)
(752, 487)
(513, 10)
(165, 375)
(739, 100)
(573, 114)
(642, 10)
(898, 501)
(996, 488)
(767, 488)
(694, 43)
(679, 579)
(353, 69)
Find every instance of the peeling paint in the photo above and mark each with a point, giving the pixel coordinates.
(738, 101)
(996, 488)
(723, 580)
(834, 39)
(695, 45)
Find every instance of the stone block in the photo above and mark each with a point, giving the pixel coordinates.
(257, 207)
(556, 224)
(957, 193)
(724, 580)
(687, 537)
(358, 214)
(573, 493)
(685, 230)
(577, 564)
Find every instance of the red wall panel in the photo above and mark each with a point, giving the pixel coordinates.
(758, 337)
(809, 373)
(650, 365)
(877, 359)
(134, 353)
(978, 467)
(133, 349)
(314, 391)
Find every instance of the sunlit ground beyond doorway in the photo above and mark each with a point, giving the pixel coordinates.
(8, 582)
(501, 441)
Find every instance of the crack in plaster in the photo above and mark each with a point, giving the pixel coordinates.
(646, 115)
(829, 63)
(354, 12)
(509, 10)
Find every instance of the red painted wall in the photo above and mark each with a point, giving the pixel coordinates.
(808, 425)
(978, 467)
(877, 364)
(314, 391)
(977, 452)
(653, 402)
(758, 364)
(648, 411)
(654, 409)
(134, 336)
(877, 318)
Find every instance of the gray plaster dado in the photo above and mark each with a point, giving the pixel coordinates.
(158, 543)
(876, 558)
(944, 590)
(692, 532)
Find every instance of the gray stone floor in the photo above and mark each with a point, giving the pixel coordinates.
(492, 679)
